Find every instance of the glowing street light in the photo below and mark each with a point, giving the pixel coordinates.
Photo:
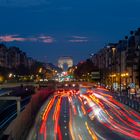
(10, 75)
(127, 74)
(40, 70)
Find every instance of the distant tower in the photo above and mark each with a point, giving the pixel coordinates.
(65, 60)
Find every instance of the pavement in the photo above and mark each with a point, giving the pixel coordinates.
(18, 84)
(93, 115)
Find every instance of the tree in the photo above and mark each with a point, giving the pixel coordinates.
(84, 68)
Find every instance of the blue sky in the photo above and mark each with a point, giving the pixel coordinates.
(48, 29)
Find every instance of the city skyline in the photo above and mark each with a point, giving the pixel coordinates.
(47, 30)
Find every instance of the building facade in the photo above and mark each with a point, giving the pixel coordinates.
(120, 62)
(13, 57)
(3, 55)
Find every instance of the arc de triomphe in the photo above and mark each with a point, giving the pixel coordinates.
(65, 60)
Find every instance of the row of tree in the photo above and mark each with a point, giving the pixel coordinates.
(83, 69)
(21, 70)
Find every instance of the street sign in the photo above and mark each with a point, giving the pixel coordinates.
(132, 91)
(95, 75)
(132, 85)
(115, 86)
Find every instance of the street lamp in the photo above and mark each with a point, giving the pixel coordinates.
(113, 49)
(139, 63)
(10, 75)
(91, 57)
(120, 59)
(40, 70)
(113, 67)
(132, 69)
(125, 75)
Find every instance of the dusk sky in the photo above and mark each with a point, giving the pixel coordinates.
(48, 29)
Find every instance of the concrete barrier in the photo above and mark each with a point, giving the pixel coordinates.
(125, 98)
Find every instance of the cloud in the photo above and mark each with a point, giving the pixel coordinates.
(12, 38)
(79, 39)
(46, 39)
(40, 38)
(22, 3)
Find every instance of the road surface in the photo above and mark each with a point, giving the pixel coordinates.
(94, 115)
(4, 91)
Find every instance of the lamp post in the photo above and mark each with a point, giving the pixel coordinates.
(139, 63)
(132, 69)
(126, 76)
(92, 57)
(120, 70)
(126, 43)
(113, 48)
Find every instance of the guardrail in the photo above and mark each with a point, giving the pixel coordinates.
(18, 129)
(132, 101)
(5, 92)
